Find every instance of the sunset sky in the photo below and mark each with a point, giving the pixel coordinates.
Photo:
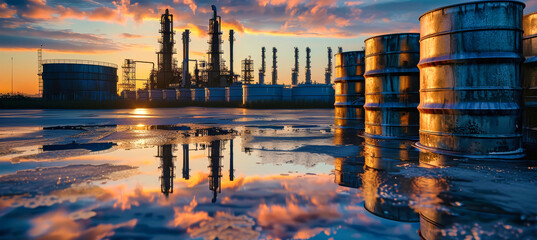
(111, 31)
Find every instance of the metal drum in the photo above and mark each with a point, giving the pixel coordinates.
(470, 80)
(392, 86)
(349, 85)
(529, 78)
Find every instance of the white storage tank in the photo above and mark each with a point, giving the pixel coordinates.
(234, 94)
(262, 93)
(128, 95)
(198, 94)
(155, 95)
(142, 95)
(215, 94)
(287, 95)
(169, 94)
(313, 93)
(184, 94)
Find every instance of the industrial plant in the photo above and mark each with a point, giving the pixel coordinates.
(450, 100)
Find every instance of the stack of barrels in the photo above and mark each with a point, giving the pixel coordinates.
(456, 89)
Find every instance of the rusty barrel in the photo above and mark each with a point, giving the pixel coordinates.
(470, 80)
(349, 84)
(392, 84)
(529, 79)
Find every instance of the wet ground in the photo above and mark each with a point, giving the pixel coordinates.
(195, 173)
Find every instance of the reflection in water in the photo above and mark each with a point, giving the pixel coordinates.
(215, 167)
(386, 191)
(186, 162)
(347, 169)
(167, 166)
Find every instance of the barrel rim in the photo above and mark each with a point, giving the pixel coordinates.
(469, 3)
(392, 34)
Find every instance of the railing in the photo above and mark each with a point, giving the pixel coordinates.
(77, 61)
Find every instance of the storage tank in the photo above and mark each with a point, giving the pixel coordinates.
(529, 78)
(155, 95)
(184, 94)
(311, 93)
(71, 79)
(215, 94)
(392, 84)
(128, 95)
(198, 94)
(234, 94)
(287, 94)
(470, 79)
(349, 89)
(142, 95)
(169, 94)
(262, 93)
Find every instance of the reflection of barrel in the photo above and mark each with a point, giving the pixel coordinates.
(529, 70)
(347, 172)
(392, 85)
(470, 79)
(349, 84)
(387, 193)
(347, 136)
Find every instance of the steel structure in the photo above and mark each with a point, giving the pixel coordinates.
(232, 77)
(167, 166)
(263, 67)
(129, 75)
(215, 52)
(328, 70)
(185, 83)
(247, 71)
(274, 67)
(165, 74)
(294, 72)
(308, 66)
(40, 69)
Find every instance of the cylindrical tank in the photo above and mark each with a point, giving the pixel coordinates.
(215, 94)
(529, 79)
(311, 93)
(198, 94)
(71, 79)
(142, 95)
(287, 94)
(262, 93)
(349, 87)
(234, 94)
(392, 84)
(128, 95)
(184, 94)
(155, 95)
(169, 94)
(470, 79)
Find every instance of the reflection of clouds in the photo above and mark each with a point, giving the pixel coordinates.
(227, 227)
(59, 225)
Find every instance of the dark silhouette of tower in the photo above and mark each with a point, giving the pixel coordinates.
(274, 67)
(165, 153)
(186, 42)
(165, 74)
(294, 73)
(215, 51)
(215, 168)
(308, 66)
(328, 70)
(186, 162)
(262, 69)
(232, 77)
(231, 170)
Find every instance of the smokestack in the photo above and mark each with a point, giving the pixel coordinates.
(231, 40)
(262, 69)
(186, 42)
(294, 74)
(165, 54)
(215, 51)
(328, 71)
(274, 70)
(339, 49)
(308, 67)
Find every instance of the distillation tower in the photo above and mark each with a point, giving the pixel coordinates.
(167, 165)
(263, 67)
(247, 71)
(215, 52)
(308, 66)
(294, 73)
(328, 70)
(274, 67)
(165, 74)
(186, 76)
